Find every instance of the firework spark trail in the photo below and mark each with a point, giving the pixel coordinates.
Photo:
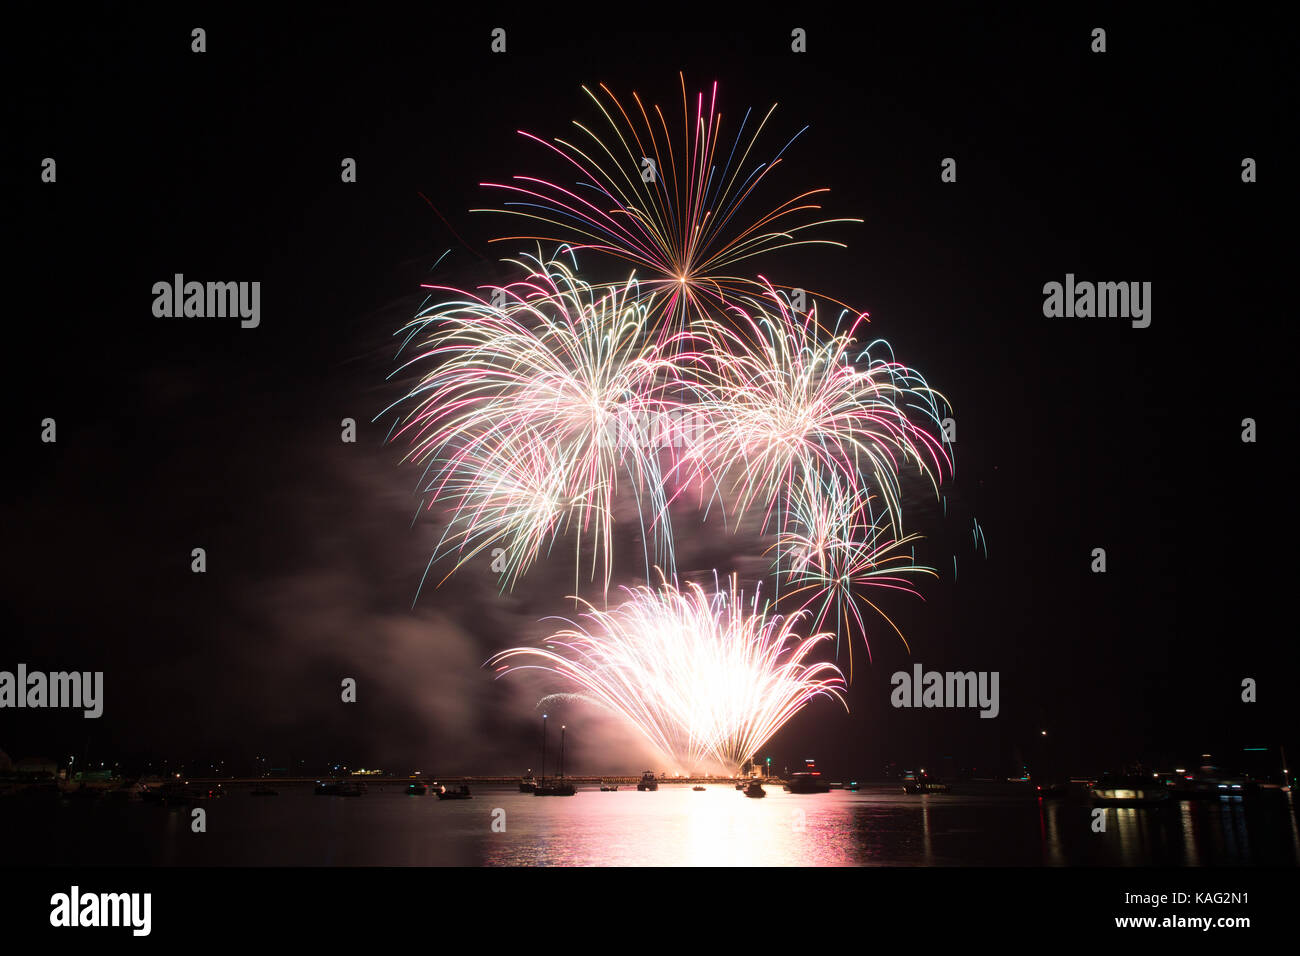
(683, 230)
(837, 552)
(703, 678)
(786, 406)
(523, 422)
(513, 495)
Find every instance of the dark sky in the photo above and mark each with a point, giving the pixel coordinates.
(1072, 433)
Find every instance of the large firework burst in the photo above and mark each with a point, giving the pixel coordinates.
(833, 552)
(705, 678)
(788, 408)
(526, 421)
(668, 198)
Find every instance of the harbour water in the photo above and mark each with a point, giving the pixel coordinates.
(878, 825)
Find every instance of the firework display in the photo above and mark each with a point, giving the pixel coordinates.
(787, 406)
(522, 424)
(706, 679)
(557, 404)
(835, 550)
(668, 199)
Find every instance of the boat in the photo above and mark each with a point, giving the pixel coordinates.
(460, 794)
(417, 788)
(147, 793)
(1129, 791)
(648, 781)
(528, 784)
(740, 785)
(810, 782)
(755, 789)
(609, 788)
(339, 788)
(923, 783)
(554, 788)
(853, 785)
(180, 794)
(700, 789)
(1212, 783)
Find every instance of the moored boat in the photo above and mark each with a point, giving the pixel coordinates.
(554, 788)
(1129, 791)
(176, 794)
(923, 783)
(1210, 782)
(339, 788)
(807, 783)
(808, 780)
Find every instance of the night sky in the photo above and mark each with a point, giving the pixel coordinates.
(1072, 433)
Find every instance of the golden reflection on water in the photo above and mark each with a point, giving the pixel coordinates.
(1049, 820)
(680, 827)
(1188, 820)
(927, 847)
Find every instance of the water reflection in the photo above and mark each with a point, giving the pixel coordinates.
(1188, 820)
(1049, 828)
(675, 826)
(1295, 829)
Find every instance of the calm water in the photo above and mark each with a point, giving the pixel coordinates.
(675, 826)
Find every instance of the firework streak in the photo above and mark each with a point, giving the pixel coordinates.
(706, 679)
(522, 423)
(672, 208)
